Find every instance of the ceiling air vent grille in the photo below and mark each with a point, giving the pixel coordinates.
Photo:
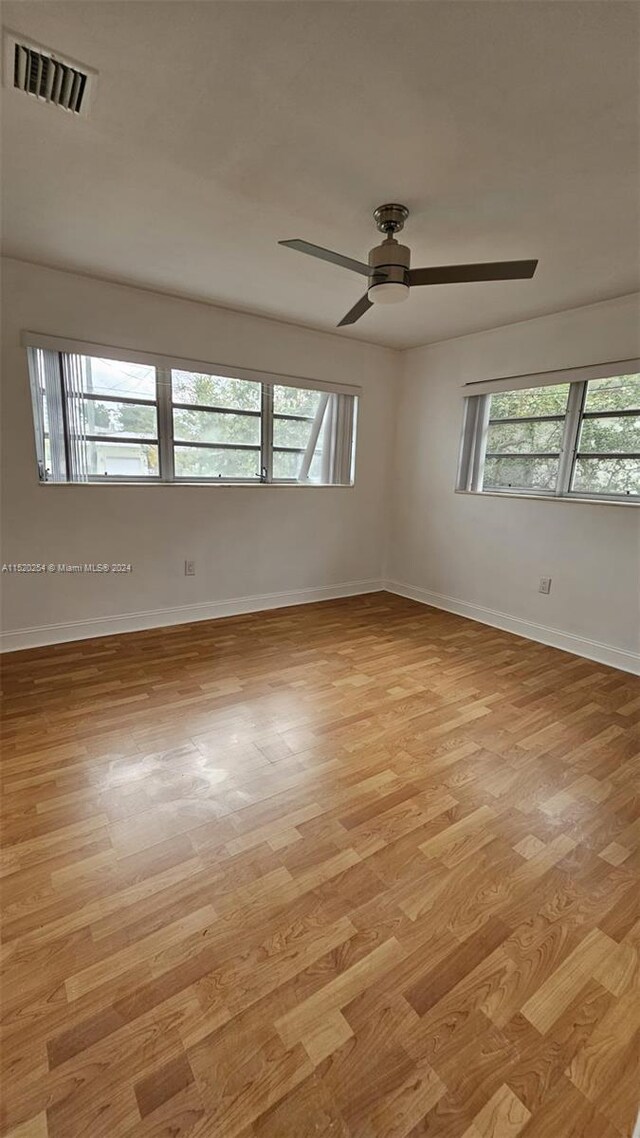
(40, 72)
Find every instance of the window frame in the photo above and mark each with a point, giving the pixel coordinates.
(164, 441)
(172, 443)
(115, 440)
(278, 415)
(314, 435)
(476, 422)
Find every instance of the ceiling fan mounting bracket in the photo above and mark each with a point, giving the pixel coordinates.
(390, 218)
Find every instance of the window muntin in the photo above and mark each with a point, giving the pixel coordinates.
(524, 439)
(295, 401)
(119, 420)
(525, 436)
(616, 393)
(116, 379)
(215, 391)
(197, 426)
(117, 459)
(110, 411)
(532, 401)
(610, 434)
(575, 439)
(608, 451)
(521, 472)
(610, 476)
(286, 467)
(98, 419)
(196, 462)
(301, 424)
(217, 427)
(291, 433)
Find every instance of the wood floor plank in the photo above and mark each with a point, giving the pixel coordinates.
(503, 1116)
(358, 869)
(34, 1128)
(558, 990)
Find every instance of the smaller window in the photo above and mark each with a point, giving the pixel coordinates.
(575, 439)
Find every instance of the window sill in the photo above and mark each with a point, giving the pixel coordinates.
(573, 499)
(148, 482)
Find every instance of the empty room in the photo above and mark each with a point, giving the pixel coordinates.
(320, 569)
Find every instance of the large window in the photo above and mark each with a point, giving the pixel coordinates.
(574, 439)
(99, 419)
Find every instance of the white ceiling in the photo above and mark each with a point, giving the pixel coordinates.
(510, 129)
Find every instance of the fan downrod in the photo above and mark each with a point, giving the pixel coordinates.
(390, 218)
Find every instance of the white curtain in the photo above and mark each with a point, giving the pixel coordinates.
(334, 418)
(46, 392)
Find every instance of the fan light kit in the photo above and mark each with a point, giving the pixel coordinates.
(388, 269)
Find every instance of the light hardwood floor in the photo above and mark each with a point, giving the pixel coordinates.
(360, 869)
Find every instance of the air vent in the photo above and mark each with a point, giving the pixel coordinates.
(42, 73)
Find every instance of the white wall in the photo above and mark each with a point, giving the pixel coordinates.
(472, 553)
(257, 546)
(248, 542)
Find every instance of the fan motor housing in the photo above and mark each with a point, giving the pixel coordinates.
(392, 260)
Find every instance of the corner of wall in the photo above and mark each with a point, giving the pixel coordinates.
(390, 510)
(482, 557)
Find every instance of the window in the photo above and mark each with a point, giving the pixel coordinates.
(99, 419)
(524, 438)
(296, 415)
(608, 452)
(573, 439)
(216, 427)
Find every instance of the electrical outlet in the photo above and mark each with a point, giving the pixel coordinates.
(545, 585)
(189, 568)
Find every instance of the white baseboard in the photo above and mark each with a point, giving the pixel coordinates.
(554, 637)
(12, 641)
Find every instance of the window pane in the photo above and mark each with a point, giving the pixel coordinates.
(315, 470)
(215, 391)
(295, 401)
(210, 427)
(291, 432)
(111, 377)
(206, 462)
(119, 419)
(286, 464)
(616, 393)
(520, 473)
(297, 432)
(129, 460)
(523, 438)
(532, 401)
(607, 475)
(611, 434)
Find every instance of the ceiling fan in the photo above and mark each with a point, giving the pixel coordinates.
(388, 271)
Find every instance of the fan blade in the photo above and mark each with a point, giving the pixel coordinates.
(459, 274)
(327, 255)
(358, 310)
